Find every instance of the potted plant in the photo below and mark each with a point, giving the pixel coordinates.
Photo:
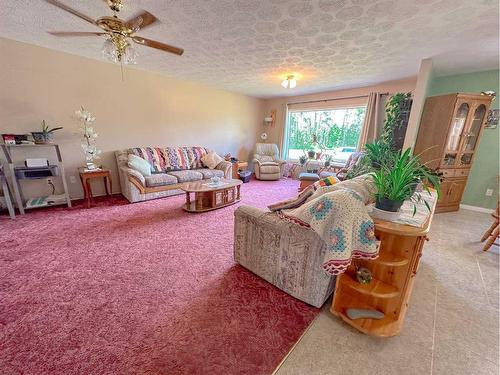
(89, 136)
(46, 135)
(302, 159)
(328, 160)
(311, 154)
(379, 152)
(397, 111)
(395, 181)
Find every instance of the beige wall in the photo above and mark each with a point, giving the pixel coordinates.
(146, 109)
(275, 133)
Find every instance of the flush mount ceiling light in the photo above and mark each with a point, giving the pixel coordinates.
(290, 82)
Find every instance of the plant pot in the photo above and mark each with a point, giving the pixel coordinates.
(42, 138)
(311, 154)
(388, 204)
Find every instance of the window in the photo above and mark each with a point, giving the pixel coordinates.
(332, 132)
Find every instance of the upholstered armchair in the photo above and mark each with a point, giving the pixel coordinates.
(267, 162)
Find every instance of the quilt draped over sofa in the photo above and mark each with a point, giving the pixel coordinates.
(338, 214)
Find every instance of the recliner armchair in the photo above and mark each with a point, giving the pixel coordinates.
(267, 163)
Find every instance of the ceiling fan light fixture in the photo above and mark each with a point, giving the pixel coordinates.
(130, 55)
(117, 49)
(290, 82)
(109, 50)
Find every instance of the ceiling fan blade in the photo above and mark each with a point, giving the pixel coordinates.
(70, 33)
(158, 45)
(71, 10)
(141, 20)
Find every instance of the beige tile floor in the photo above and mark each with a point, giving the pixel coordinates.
(452, 322)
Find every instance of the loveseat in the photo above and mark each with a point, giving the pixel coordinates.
(285, 254)
(171, 167)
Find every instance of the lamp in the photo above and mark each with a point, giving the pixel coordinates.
(290, 82)
(269, 120)
(118, 50)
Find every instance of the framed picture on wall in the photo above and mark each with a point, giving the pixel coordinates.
(492, 119)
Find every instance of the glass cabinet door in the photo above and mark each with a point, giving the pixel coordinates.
(471, 136)
(457, 127)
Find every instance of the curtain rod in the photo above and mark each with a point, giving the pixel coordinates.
(332, 99)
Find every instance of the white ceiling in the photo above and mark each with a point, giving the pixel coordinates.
(245, 45)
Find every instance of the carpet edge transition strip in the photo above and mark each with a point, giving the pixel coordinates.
(294, 345)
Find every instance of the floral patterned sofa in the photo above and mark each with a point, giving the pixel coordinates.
(171, 166)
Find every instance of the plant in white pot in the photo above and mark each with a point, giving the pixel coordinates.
(396, 179)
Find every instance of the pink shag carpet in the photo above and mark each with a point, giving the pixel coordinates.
(141, 288)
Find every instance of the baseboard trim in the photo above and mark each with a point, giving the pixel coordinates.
(475, 208)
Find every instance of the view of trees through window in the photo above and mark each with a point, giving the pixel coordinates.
(336, 131)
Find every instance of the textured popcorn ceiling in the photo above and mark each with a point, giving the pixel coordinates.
(246, 45)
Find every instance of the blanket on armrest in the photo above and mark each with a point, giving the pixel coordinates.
(338, 214)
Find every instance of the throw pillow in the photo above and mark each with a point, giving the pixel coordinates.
(211, 160)
(139, 164)
(327, 181)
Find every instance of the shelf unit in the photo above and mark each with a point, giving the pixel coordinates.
(16, 184)
(393, 274)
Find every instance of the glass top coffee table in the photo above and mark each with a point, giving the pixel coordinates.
(209, 196)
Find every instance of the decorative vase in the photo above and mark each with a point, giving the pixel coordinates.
(388, 204)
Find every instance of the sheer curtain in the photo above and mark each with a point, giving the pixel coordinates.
(374, 119)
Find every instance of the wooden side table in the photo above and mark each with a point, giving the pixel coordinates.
(86, 176)
(238, 166)
(393, 274)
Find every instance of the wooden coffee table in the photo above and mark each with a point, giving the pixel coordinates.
(209, 197)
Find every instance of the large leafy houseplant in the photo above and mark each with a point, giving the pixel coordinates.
(397, 113)
(388, 144)
(395, 181)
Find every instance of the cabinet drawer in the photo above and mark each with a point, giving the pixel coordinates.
(448, 172)
(461, 172)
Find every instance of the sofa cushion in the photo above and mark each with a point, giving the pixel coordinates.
(154, 155)
(197, 153)
(211, 160)
(178, 158)
(160, 179)
(269, 168)
(209, 173)
(186, 176)
(139, 164)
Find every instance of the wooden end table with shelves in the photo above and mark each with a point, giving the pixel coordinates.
(393, 275)
(87, 175)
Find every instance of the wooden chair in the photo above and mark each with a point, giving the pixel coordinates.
(492, 233)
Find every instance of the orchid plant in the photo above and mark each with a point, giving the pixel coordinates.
(89, 136)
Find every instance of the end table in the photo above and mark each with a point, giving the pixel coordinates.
(238, 166)
(87, 175)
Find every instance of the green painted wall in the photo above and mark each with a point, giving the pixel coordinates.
(486, 164)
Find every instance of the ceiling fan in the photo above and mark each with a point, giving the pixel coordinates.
(119, 33)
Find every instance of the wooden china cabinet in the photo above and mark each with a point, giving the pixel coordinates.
(448, 136)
